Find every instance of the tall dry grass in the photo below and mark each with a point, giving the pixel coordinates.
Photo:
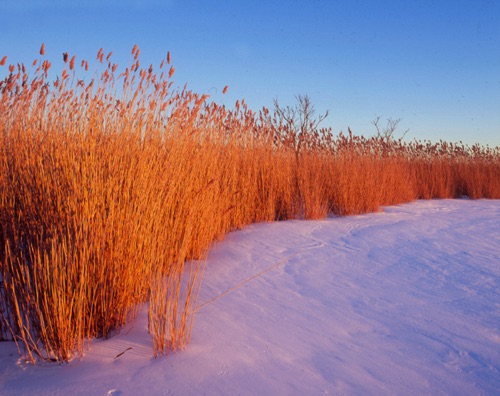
(110, 185)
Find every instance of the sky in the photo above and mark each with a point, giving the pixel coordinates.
(435, 65)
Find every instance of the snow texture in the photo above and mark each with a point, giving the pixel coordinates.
(403, 302)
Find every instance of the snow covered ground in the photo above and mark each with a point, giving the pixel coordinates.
(405, 301)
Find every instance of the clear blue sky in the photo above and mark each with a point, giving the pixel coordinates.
(434, 64)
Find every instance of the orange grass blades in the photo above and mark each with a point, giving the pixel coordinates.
(114, 186)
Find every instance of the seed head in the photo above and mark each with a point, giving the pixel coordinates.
(171, 72)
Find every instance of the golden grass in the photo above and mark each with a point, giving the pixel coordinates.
(110, 185)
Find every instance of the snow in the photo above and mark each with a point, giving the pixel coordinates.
(404, 301)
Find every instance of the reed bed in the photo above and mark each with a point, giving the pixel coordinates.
(114, 184)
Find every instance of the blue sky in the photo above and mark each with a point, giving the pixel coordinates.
(433, 64)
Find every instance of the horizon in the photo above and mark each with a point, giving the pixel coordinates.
(434, 66)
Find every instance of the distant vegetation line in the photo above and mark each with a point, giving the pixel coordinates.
(110, 182)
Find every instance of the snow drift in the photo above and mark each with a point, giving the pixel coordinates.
(404, 301)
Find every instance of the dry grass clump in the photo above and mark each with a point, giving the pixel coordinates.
(110, 184)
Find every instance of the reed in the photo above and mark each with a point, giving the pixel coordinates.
(112, 189)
